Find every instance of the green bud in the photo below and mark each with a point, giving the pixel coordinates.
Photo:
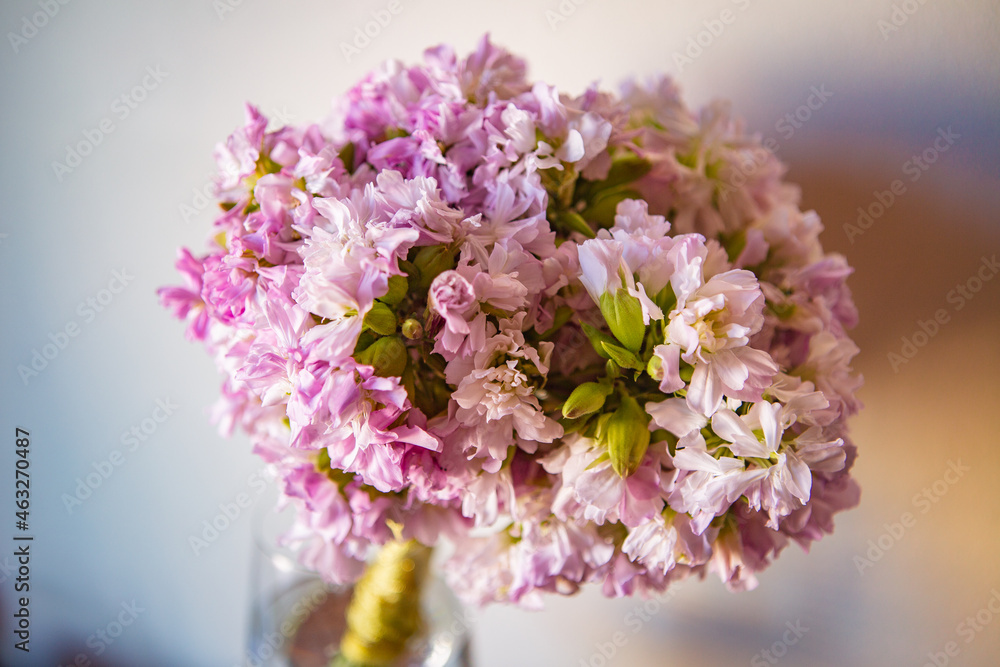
(412, 328)
(686, 372)
(398, 287)
(626, 435)
(381, 319)
(623, 357)
(655, 368)
(387, 355)
(623, 313)
(587, 398)
(432, 260)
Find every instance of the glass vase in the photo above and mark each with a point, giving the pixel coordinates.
(297, 619)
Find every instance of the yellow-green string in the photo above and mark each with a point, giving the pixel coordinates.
(384, 612)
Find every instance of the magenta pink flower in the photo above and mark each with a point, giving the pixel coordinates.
(569, 335)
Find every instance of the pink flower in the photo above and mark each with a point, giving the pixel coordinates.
(710, 329)
(496, 395)
(707, 273)
(452, 297)
(603, 270)
(592, 491)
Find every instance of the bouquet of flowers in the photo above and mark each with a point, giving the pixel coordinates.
(584, 339)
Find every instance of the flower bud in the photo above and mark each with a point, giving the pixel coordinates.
(381, 319)
(387, 356)
(587, 398)
(623, 313)
(412, 328)
(626, 435)
(655, 368)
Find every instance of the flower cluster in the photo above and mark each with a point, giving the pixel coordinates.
(578, 339)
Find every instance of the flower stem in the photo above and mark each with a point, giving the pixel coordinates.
(385, 608)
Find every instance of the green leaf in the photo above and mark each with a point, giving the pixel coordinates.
(346, 156)
(666, 299)
(597, 339)
(388, 356)
(605, 204)
(431, 261)
(398, 287)
(572, 221)
(627, 168)
(561, 317)
(380, 319)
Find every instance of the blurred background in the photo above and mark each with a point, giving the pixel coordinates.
(909, 92)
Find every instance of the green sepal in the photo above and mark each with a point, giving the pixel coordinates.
(623, 313)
